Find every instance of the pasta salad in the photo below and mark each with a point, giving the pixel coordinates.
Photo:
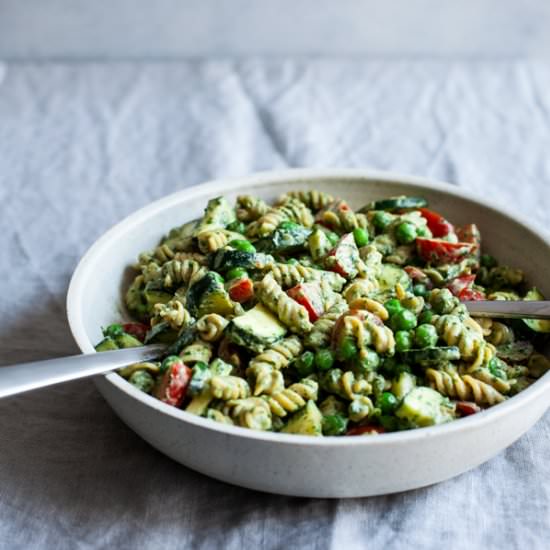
(307, 317)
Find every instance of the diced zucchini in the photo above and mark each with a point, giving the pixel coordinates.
(153, 296)
(155, 331)
(217, 215)
(199, 403)
(390, 275)
(395, 203)
(308, 421)
(208, 295)
(225, 259)
(425, 407)
(256, 330)
(107, 344)
(427, 357)
(142, 380)
(288, 237)
(403, 384)
(201, 374)
(515, 352)
(184, 339)
(538, 325)
(126, 340)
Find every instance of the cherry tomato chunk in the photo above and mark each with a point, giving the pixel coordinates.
(241, 290)
(437, 224)
(471, 295)
(438, 252)
(138, 330)
(369, 428)
(172, 387)
(466, 408)
(308, 295)
(458, 284)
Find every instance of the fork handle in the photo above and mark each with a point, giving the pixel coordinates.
(39, 374)
(510, 309)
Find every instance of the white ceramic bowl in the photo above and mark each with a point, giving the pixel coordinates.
(301, 465)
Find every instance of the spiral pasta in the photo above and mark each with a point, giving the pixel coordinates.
(175, 272)
(250, 208)
(292, 210)
(252, 412)
(455, 333)
(290, 275)
(275, 358)
(293, 398)
(289, 312)
(198, 351)
(173, 313)
(321, 332)
(210, 327)
(448, 382)
(345, 384)
(229, 387)
(315, 200)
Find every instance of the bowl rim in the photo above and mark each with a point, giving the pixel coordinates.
(80, 275)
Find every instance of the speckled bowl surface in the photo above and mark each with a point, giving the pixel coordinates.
(301, 465)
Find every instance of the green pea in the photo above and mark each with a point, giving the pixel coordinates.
(425, 336)
(292, 261)
(381, 220)
(488, 261)
(393, 306)
(361, 237)
(403, 340)
(420, 290)
(405, 233)
(304, 363)
(387, 402)
(444, 302)
(288, 226)
(334, 424)
(237, 226)
(348, 349)
(403, 320)
(369, 360)
(242, 245)
(332, 237)
(324, 359)
(168, 362)
(236, 273)
(113, 330)
(425, 317)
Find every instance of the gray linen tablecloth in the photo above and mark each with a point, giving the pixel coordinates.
(82, 146)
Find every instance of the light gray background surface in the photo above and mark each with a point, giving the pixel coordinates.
(81, 146)
(77, 29)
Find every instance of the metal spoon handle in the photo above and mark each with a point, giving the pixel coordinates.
(39, 374)
(510, 309)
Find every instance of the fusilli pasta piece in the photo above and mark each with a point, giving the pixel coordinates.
(229, 387)
(293, 398)
(315, 200)
(292, 210)
(250, 208)
(173, 313)
(321, 333)
(211, 326)
(289, 312)
(288, 275)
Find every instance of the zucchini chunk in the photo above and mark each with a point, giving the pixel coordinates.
(395, 203)
(308, 421)
(256, 330)
(287, 238)
(425, 407)
(208, 295)
(537, 325)
(427, 357)
(390, 275)
(218, 214)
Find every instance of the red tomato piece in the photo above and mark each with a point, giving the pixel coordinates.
(465, 408)
(138, 330)
(471, 295)
(344, 257)
(458, 284)
(438, 252)
(418, 276)
(310, 296)
(437, 224)
(172, 387)
(369, 428)
(241, 290)
(470, 234)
